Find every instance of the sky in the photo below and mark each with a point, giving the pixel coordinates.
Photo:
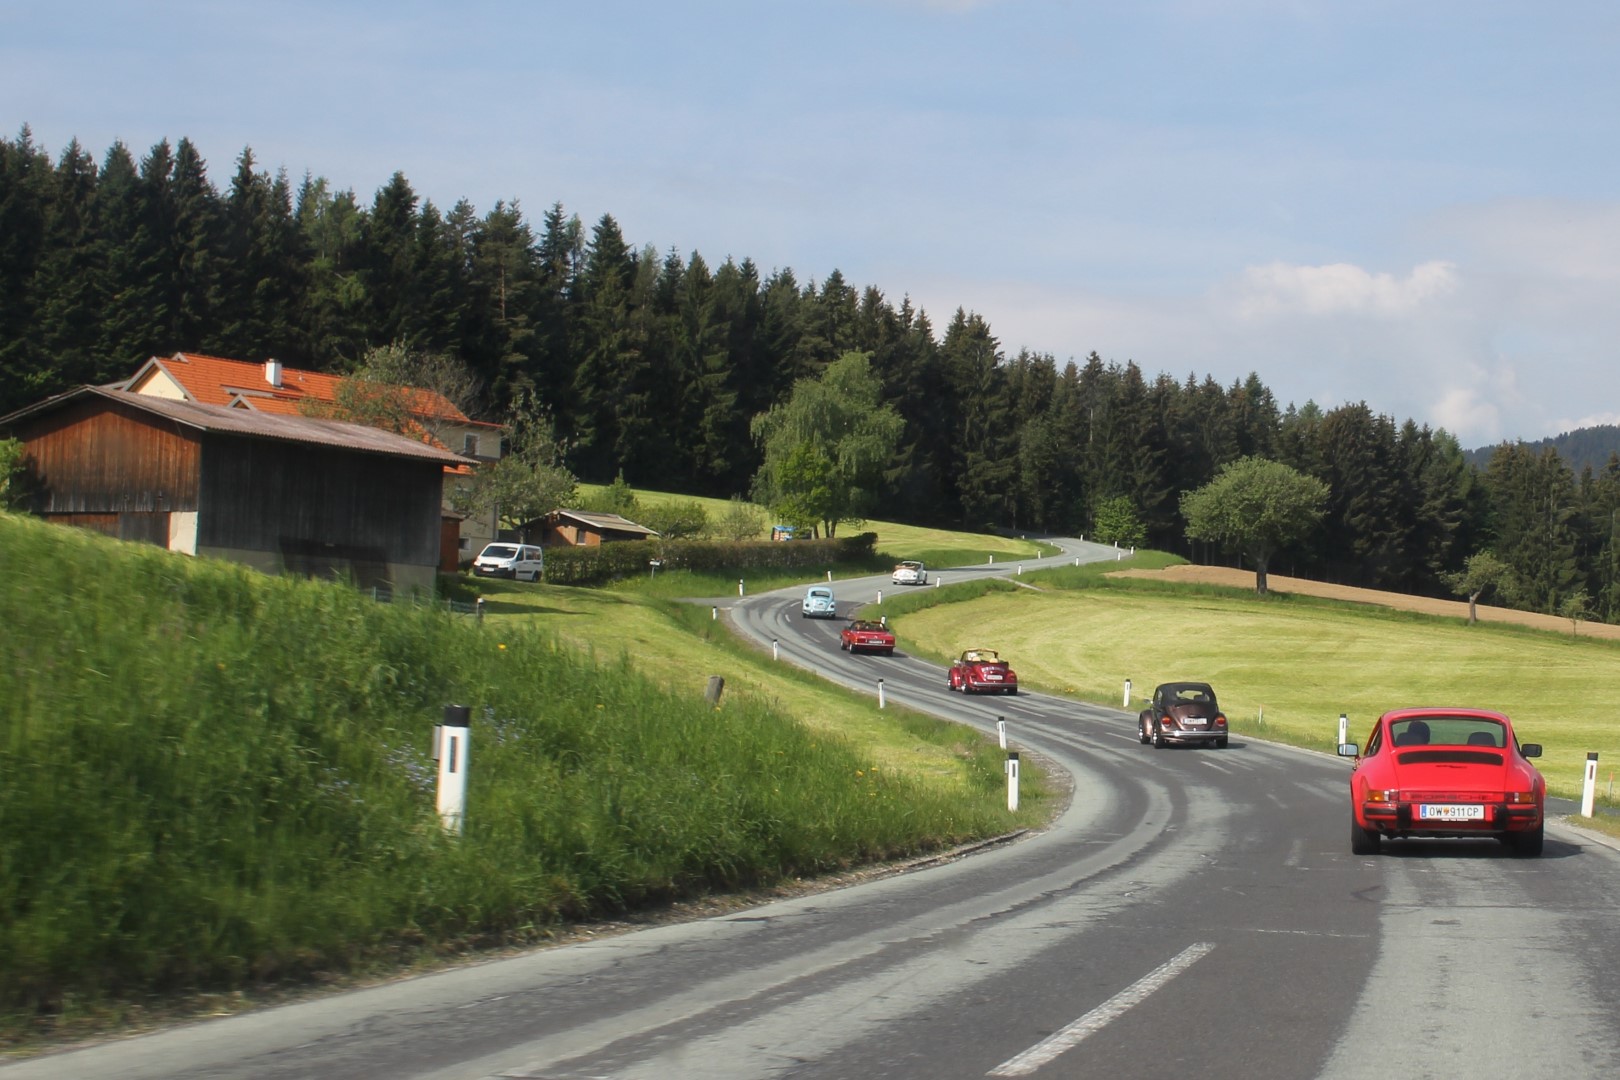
(1410, 204)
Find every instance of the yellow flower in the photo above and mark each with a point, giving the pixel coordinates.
(501, 646)
(859, 773)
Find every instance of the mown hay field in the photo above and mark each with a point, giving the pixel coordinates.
(1288, 665)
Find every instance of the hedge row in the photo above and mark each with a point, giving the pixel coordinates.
(590, 565)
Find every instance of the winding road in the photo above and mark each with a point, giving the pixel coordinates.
(1194, 912)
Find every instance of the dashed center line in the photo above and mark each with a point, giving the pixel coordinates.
(1098, 1018)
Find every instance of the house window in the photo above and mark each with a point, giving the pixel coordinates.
(469, 444)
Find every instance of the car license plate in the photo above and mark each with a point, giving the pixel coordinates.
(1196, 721)
(1451, 812)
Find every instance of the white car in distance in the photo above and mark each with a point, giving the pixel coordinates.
(911, 572)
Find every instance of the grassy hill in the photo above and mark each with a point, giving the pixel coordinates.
(211, 779)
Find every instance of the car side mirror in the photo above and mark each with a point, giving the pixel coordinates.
(1530, 749)
(1349, 749)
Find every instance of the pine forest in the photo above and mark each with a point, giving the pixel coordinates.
(655, 366)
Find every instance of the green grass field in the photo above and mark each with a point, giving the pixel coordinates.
(1286, 667)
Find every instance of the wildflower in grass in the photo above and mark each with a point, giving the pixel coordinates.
(501, 646)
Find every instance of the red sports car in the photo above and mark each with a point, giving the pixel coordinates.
(1445, 772)
(982, 670)
(864, 635)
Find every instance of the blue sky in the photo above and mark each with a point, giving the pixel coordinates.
(1412, 204)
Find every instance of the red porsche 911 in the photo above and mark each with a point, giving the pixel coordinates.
(982, 671)
(1445, 772)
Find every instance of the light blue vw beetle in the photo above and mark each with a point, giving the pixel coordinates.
(819, 603)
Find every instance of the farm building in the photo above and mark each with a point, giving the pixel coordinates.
(272, 387)
(277, 492)
(580, 528)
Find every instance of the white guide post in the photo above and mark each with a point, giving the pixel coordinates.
(451, 747)
(1127, 695)
(1001, 731)
(1589, 788)
(1012, 780)
(739, 586)
(880, 693)
(775, 651)
(1344, 729)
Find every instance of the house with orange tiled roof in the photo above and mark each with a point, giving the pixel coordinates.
(272, 387)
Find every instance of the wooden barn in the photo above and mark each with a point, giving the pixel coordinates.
(281, 493)
(580, 528)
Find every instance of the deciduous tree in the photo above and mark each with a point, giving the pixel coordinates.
(1256, 506)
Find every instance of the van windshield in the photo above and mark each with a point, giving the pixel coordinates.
(499, 551)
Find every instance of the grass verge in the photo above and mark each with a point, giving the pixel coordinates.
(212, 780)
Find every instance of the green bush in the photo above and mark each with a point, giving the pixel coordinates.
(605, 562)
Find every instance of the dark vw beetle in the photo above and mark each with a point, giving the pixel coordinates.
(1182, 712)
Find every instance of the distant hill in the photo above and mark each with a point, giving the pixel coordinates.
(1581, 447)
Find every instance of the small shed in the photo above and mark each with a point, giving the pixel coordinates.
(280, 493)
(582, 528)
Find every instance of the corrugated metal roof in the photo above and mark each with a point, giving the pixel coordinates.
(220, 419)
(605, 521)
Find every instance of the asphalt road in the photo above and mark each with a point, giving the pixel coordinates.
(1195, 912)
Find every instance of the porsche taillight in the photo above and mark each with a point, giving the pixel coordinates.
(1385, 795)
(1520, 798)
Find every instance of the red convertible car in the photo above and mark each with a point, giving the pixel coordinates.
(1445, 772)
(864, 635)
(982, 670)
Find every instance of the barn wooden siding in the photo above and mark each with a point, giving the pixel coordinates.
(93, 458)
(265, 495)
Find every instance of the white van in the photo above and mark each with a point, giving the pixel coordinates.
(521, 561)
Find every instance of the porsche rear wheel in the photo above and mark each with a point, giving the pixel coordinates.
(1528, 843)
(1362, 841)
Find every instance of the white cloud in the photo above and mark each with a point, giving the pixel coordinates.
(1339, 288)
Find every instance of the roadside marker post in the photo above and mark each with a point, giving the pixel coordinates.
(739, 586)
(450, 748)
(714, 611)
(1001, 731)
(829, 577)
(1012, 780)
(880, 596)
(1589, 788)
(478, 608)
(880, 693)
(775, 653)
(1127, 695)
(1344, 730)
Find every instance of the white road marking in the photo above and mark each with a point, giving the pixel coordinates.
(1095, 1020)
